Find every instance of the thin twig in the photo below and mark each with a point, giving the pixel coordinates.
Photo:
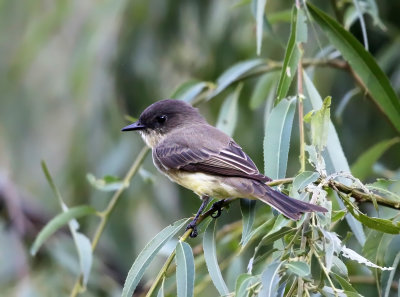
(78, 287)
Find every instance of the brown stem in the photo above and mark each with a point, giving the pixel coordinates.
(361, 196)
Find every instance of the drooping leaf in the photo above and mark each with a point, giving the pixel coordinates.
(384, 187)
(270, 280)
(383, 225)
(362, 168)
(210, 256)
(58, 221)
(350, 254)
(234, 73)
(363, 64)
(344, 283)
(299, 268)
(264, 89)
(247, 207)
(147, 255)
(262, 229)
(335, 153)
(260, 10)
(298, 34)
(189, 91)
(184, 269)
(228, 113)
(277, 138)
(82, 242)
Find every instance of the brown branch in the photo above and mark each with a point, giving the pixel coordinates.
(361, 196)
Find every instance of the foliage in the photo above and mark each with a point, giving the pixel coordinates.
(273, 108)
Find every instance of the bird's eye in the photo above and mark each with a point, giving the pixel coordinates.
(161, 119)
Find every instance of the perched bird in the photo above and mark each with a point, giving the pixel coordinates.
(205, 160)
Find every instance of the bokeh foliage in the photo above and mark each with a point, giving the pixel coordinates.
(72, 70)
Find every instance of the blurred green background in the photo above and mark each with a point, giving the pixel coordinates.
(70, 73)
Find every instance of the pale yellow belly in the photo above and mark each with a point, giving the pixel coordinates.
(204, 184)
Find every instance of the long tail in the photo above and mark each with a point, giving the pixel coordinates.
(290, 207)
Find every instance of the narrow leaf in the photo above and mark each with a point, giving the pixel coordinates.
(383, 225)
(384, 187)
(270, 280)
(147, 255)
(391, 275)
(58, 221)
(298, 33)
(190, 90)
(242, 283)
(247, 207)
(82, 242)
(228, 113)
(161, 289)
(299, 268)
(264, 88)
(362, 168)
(234, 73)
(210, 256)
(277, 138)
(319, 121)
(335, 153)
(184, 269)
(260, 9)
(107, 184)
(363, 64)
(344, 283)
(301, 181)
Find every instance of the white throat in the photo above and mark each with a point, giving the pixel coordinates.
(151, 138)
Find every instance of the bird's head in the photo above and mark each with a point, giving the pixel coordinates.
(163, 117)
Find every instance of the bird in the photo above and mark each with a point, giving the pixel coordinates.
(202, 158)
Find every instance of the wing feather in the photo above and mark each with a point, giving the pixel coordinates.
(229, 161)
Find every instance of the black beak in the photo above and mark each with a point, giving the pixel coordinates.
(134, 126)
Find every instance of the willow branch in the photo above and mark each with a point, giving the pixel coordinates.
(361, 196)
(78, 286)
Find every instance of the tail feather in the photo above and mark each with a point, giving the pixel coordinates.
(290, 207)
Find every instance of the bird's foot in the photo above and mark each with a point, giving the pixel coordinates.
(192, 225)
(217, 209)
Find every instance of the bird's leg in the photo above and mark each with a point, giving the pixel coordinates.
(217, 208)
(193, 224)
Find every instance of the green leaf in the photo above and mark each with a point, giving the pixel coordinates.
(345, 284)
(262, 229)
(147, 255)
(242, 283)
(260, 10)
(234, 73)
(320, 121)
(337, 159)
(301, 181)
(362, 168)
(337, 215)
(391, 275)
(107, 184)
(277, 138)
(57, 222)
(248, 208)
(383, 187)
(270, 280)
(298, 34)
(184, 269)
(299, 268)
(210, 256)
(264, 88)
(82, 242)
(274, 236)
(379, 224)
(363, 64)
(190, 90)
(228, 113)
